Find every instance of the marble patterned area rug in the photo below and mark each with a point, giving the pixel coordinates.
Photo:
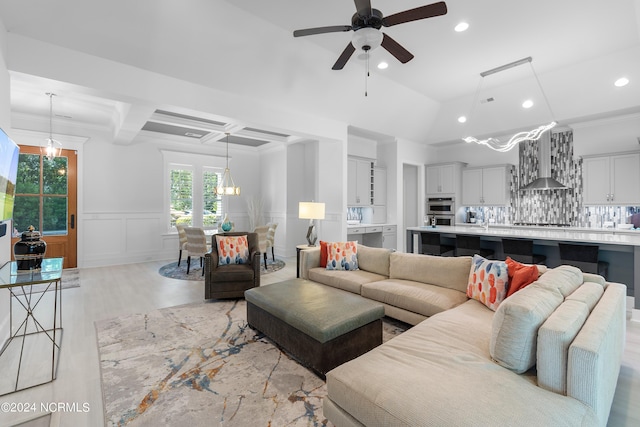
(173, 271)
(202, 365)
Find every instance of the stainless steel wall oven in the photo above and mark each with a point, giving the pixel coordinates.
(443, 209)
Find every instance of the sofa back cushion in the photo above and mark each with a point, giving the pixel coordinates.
(588, 293)
(554, 338)
(564, 278)
(375, 260)
(514, 330)
(446, 272)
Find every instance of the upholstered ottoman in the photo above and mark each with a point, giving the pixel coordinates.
(322, 327)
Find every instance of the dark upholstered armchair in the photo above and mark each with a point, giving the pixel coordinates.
(230, 281)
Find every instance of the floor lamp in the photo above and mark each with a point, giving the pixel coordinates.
(311, 211)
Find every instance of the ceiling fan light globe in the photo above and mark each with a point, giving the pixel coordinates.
(367, 37)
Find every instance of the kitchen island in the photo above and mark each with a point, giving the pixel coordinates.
(620, 248)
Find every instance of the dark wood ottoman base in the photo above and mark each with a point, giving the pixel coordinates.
(319, 357)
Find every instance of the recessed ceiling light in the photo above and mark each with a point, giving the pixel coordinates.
(383, 65)
(461, 27)
(462, 119)
(527, 104)
(622, 81)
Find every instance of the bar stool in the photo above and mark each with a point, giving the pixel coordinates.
(431, 245)
(521, 250)
(585, 257)
(470, 245)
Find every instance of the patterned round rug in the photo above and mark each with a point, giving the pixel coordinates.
(173, 271)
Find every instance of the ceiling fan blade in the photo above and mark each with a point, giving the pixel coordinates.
(423, 12)
(322, 30)
(344, 57)
(394, 48)
(364, 8)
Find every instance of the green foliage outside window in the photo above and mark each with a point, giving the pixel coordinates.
(37, 177)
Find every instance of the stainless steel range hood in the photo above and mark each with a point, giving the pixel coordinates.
(544, 181)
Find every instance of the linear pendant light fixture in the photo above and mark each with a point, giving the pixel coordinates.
(226, 186)
(52, 148)
(531, 135)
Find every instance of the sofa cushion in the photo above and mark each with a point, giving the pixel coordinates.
(447, 272)
(554, 337)
(439, 373)
(488, 280)
(346, 280)
(375, 260)
(417, 297)
(564, 278)
(516, 322)
(588, 293)
(342, 256)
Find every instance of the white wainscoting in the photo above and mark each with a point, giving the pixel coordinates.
(124, 238)
(112, 238)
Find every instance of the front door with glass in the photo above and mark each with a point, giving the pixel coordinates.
(46, 193)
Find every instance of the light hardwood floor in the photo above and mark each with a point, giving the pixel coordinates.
(109, 292)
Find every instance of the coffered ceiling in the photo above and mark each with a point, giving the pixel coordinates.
(246, 47)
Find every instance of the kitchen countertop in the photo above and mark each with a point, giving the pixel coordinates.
(361, 225)
(575, 234)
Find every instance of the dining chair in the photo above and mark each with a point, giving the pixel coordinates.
(182, 241)
(271, 237)
(196, 245)
(262, 231)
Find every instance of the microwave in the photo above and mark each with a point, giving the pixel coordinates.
(441, 206)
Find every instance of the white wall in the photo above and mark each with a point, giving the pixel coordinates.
(607, 136)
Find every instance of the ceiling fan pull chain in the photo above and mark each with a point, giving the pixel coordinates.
(366, 77)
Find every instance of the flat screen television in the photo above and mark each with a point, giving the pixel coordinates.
(9, 153)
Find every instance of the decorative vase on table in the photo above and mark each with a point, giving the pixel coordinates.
(226, 224)
(29, 250)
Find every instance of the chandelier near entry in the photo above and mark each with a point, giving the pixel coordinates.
(226, 186)
(51, 147)
(533, 134)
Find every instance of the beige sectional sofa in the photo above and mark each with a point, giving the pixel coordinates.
(549, 355)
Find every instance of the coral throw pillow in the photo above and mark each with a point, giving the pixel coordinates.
(232, 249)
(520, 275)
(323, 254)
(488, 281)
(342, 256)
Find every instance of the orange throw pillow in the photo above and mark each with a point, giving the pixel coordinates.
(324, 254)
(520, 275)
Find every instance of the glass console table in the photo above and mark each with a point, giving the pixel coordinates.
(24, 351)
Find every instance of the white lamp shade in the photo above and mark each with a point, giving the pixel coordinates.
(310, 210)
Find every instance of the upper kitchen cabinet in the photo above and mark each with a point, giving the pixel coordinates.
(612, 179)
(379, 186)
(443, 179)
(488, 186)
(359, 187)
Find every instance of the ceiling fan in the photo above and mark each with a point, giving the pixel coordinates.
(366, 24)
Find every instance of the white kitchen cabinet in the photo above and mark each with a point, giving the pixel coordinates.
(389, 236)
(359, 186)
(488, 186)
(612, 179)
(443, 179)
